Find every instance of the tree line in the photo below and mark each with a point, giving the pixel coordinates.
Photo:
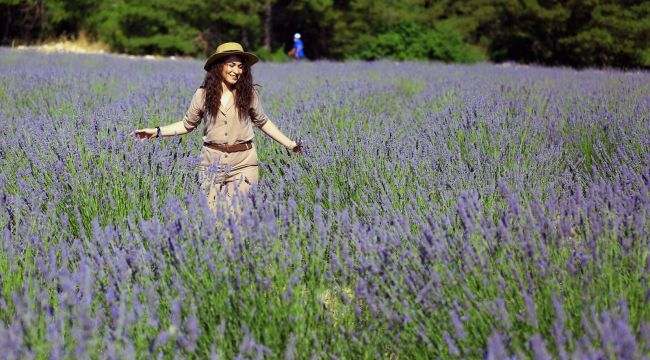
(578, 33)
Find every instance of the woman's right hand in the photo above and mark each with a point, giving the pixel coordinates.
(146, 133)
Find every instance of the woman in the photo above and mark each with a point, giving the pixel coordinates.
(231, 108)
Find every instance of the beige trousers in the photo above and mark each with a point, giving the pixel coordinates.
(235, 174)
(236, 184)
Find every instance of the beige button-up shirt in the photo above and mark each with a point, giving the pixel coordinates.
(226, 128)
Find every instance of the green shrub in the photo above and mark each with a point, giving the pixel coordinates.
(645, 57)
(412, 41)
(265, 54)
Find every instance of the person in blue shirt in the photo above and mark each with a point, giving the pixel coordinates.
(298, 49)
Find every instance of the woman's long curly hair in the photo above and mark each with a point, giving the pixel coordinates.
(243, 91)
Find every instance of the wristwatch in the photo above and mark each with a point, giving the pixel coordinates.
(158, 131)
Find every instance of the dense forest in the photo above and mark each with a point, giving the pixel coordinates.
(578, 33)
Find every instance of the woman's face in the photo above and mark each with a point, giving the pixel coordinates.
(232, 69)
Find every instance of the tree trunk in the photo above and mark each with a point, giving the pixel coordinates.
(267, 26)
(244, 39)
(5, 35)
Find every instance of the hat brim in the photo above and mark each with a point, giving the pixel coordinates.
(250, 58)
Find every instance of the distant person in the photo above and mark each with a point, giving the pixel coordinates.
(231, 107)
(297, 52)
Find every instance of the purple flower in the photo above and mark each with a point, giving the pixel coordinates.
(496, 349)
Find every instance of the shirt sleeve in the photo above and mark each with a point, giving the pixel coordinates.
(194, 113)
(260, 116)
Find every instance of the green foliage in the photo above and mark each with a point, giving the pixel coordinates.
(575, 32)
(615, 35)
(143, 29)
(27, 21)
(274, 56)
(411, 41)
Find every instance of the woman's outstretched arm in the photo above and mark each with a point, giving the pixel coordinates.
(190, 121)
(268, 127)
(272, 131)
(177, 128)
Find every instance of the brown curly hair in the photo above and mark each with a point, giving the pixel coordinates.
(243, 91)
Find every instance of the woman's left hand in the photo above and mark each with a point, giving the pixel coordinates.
(297, 147)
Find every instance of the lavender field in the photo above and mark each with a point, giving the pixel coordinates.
(441, 211)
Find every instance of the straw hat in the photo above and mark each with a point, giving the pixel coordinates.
(227, 49)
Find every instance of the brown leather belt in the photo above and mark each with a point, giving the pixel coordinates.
(231, 148)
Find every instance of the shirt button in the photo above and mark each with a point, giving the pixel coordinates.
(226, 155)
(226, 134)
(226, 123)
